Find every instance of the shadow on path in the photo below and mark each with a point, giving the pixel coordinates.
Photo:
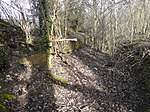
(120, 83)
(32, 89)
(118, 89)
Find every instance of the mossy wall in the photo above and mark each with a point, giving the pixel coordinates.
(73, 45)
(8, 33)
(40, 58)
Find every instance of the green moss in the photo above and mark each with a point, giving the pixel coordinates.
(82, 41)
(59, 78)
(107, 45)
(37, 92)
(78, 44)
(85, 40)
(6, 97)
(3, 108)
(89, 39)
(1, 83)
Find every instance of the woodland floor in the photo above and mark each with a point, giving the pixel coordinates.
(98, 82)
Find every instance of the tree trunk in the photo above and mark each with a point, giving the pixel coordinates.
(46, 30)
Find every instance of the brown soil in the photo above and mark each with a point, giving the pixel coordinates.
(97, 83)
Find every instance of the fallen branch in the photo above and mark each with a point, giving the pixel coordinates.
(75, 39)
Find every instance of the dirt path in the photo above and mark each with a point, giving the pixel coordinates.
(97, 83)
